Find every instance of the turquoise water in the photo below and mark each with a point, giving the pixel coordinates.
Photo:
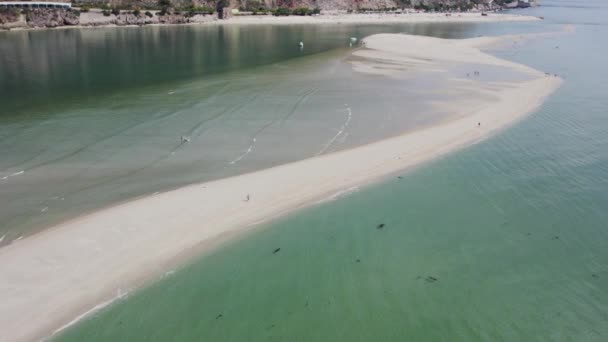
(504, 241)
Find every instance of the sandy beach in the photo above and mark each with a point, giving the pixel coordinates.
(53, 277)
(385, 18)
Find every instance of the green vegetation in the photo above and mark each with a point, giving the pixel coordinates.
(260, 11)
(115, 11)
(106, 13)
(136, 12)
(84, 8)
(281, 11)
(194, 10)
(302, 11)
(459, 6)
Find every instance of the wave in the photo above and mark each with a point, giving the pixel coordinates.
(89, 312)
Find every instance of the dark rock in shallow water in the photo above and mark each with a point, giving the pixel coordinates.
(431, 279)
(276, 251)
(358, 260)
(380, 226)
(556, 237)
(594, 275)
(219, 316)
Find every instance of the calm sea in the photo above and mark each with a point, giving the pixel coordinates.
(505, 240)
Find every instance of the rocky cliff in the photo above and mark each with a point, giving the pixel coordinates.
(37, 18)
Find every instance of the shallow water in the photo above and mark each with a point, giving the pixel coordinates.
(503, 241)
(95, 116)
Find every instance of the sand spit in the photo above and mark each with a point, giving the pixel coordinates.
(53, 277)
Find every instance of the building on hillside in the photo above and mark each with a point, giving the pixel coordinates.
(35, 4)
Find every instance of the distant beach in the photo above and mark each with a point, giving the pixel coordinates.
(95, 19)
(384, 18)
(98, 257)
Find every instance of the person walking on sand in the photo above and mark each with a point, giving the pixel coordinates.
(247, 198)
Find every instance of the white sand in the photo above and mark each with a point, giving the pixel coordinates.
(53, 277)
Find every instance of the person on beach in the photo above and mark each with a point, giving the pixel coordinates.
(247, 198)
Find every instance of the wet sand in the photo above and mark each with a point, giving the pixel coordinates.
(54, 276)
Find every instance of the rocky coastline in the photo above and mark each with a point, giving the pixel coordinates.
(170, 14)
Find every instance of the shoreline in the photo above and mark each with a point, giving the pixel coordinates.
(82, 262)
(323, 19)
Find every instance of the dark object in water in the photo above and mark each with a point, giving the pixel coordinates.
(400, 177)
(276, 250)
(219, 316)
(594, 275)
(431, 279)
(358, 260)
(556, 237)
(528, 234)
(380, 226)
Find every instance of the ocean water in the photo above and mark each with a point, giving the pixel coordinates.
(503, 241)
(93, 117)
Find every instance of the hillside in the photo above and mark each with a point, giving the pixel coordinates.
(321, 4)
(145, 12)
